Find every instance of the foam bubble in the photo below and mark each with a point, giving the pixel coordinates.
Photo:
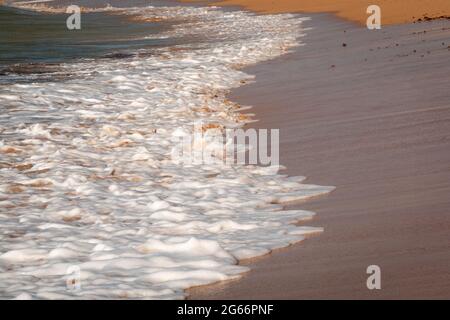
(87, 178)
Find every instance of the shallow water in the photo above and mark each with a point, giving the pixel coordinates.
(88, 180)
(34, 37)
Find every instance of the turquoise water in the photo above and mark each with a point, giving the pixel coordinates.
(32, 37)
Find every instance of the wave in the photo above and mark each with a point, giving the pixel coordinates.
(87, 182)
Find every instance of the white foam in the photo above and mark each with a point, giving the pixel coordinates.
(86, 177)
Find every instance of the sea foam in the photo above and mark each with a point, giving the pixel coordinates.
(87, 180)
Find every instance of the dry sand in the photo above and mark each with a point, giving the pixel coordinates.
(393, 11)
(373, 119)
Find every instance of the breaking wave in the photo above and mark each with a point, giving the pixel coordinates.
(87, 178)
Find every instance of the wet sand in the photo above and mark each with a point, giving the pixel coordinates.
(398, 11)
(373, 119)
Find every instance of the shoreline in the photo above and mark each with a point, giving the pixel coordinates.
(365, 111)
(393, 12)
(370, 119)
(105, 161)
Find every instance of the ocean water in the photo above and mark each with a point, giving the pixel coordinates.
(28, 36)
(91, 203)
(33, 43)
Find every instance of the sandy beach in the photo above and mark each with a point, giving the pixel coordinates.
(393, 12)
(110, 187)
(369, 113)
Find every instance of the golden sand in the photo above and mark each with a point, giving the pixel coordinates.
(376, 129)
(392, 11)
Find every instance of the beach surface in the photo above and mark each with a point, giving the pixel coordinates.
(367, 112)
(393, 12)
